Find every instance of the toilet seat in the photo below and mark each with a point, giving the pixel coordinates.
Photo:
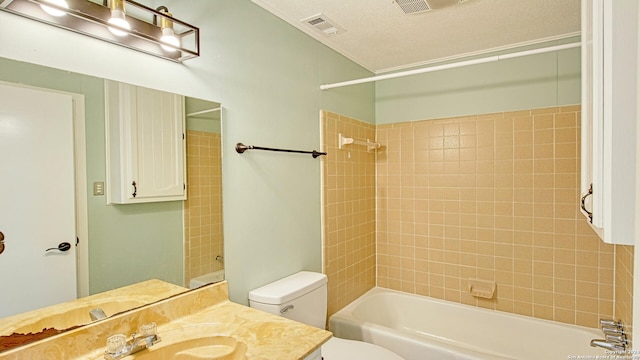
(343, 349)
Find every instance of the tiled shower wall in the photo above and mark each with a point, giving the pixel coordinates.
(492, 197)
(349, 211)
(203, 207)
(624, 286)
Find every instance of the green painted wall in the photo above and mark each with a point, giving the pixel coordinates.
(267, 75)
(272, 74)
(535, 81)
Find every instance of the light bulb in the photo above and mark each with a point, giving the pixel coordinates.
(53, 11)
(168, 35)
(117, 18)
(170, 39)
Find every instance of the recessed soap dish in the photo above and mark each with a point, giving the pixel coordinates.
(481, 288)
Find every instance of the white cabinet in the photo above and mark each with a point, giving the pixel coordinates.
(609, 117)
(145, 144)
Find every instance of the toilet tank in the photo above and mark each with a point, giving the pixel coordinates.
(301, 297)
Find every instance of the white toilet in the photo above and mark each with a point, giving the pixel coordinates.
(303, 297)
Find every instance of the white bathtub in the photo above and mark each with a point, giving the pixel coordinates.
(210, 278)
(420, 328)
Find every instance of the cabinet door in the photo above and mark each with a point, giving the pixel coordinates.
(609, 111)
(158, 133)
(145, 145)
(592, 126)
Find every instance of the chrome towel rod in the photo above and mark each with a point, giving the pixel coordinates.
(240, 148)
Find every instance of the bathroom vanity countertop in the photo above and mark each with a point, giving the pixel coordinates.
(203, 312)
(76, 312)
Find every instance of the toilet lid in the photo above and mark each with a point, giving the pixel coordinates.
(342, 349)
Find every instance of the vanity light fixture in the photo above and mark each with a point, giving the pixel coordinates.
(122, 22)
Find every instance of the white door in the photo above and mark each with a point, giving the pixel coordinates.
(37, 201)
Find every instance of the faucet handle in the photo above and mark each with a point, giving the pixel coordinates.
(612, 330)
(610, 323)
(616, 339)
(116, 344)
(148, 329)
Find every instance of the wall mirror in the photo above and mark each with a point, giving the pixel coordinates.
(175, 242)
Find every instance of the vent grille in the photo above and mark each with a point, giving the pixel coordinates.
(323, 23)
(413, 6)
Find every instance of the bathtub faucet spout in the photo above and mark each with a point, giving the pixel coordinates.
(609, 345)
(615, 338)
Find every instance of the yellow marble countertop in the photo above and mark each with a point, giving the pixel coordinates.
(76, 312)
(205, 311)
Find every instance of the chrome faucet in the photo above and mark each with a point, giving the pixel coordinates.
(97, 314)
(118, 346)
(613, 346)
(615, 338)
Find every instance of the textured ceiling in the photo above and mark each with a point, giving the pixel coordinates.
(380, 36)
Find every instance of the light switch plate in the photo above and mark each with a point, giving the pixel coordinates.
(98, 188)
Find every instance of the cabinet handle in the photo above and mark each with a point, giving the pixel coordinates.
(135, 188)
(582, 203)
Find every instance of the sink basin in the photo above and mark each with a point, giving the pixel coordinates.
(210, 348)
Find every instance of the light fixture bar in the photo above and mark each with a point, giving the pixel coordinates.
(92, 19)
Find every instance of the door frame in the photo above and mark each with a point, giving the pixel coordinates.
(80, 186)
(82, 211)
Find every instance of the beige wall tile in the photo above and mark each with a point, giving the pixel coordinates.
(518, 223)
(349, 204)
(203, 208)
(489, 196)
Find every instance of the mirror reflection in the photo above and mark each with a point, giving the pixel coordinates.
(204, 258)
(177, 242)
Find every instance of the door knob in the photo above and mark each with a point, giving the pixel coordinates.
(64, 246)
(1, 242)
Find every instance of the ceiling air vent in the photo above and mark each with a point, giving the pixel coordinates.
(411, 7)
(323, 23)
